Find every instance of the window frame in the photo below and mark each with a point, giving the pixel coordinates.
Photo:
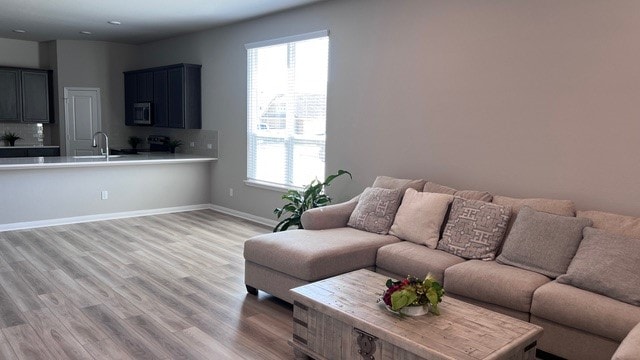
(290, 141)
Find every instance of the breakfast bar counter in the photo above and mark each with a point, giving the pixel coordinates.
(24, 163)
(44, 191)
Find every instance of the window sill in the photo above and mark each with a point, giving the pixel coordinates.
(270, 186)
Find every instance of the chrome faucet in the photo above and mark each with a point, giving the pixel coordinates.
(106, 144)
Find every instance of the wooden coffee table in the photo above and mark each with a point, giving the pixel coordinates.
(339, 318)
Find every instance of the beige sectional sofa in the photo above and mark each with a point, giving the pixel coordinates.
(578, 324)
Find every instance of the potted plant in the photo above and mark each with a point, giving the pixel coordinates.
(10, 138)
(133, 142)
(412, 296)
(298, 201)
(173, 145)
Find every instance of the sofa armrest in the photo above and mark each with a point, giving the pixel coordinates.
(629, 349)
(330, 216)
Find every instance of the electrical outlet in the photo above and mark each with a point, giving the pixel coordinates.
(209, 146)
(230, 191)
(104, 195)
(192, 144)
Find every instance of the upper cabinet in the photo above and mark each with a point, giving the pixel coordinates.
(25, 95)
(174, 93)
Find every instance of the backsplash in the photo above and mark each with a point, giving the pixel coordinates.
(31, 134)
(200, 139)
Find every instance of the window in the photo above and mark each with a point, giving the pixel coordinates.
(287, 110)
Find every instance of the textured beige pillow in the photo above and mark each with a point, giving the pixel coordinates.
(376, 210)
(465, 194)
(420, 217)
(475, 229)
(543, 242)
(613, 223)
(606, 264)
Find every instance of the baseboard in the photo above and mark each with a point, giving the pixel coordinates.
(243, 215)
(99, 217)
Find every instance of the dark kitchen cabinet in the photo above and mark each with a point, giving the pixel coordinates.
(25, 95)
(10, 102)
(35, 96)
(144, 86)
(129, 97)
(160, 100)
(175, 95)
(35, 151)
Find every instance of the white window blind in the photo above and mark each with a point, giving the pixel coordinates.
(286, 109)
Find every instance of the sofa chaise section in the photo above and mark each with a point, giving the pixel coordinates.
(277, 262)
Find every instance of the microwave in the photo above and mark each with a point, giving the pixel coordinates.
(142, 113)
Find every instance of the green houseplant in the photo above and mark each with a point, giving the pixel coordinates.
(298, 201)
(134, 141)
(10, 138)
(173, 145)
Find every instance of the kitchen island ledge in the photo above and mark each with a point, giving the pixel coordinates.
(24, 163)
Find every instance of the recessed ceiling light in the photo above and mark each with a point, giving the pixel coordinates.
(86, 32)
(19, 31)
(114, 22)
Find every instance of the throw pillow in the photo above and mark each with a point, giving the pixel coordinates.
(475, 229)
(376, 210)
(607, 264)
(542, 242)
(420, 216)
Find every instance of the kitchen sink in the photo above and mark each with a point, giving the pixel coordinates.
(96, 156)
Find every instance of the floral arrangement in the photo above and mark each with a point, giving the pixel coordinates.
(413, 292)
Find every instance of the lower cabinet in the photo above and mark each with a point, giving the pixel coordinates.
(6, 152)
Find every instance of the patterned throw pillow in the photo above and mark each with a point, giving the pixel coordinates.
(475, 229)
(376, 210)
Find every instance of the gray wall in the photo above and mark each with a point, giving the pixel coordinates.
(43, 194)
(94, 64)
(522, 98)
(21, 53)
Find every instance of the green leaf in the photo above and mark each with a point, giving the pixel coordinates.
(402, 298)
(298, 201)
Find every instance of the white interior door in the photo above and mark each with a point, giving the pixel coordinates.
(82, 119)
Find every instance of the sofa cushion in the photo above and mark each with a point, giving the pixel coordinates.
(387, 182)
(465, 194)
(376, 210)
(606, 264)
(630, 347)
(542, 242)
(420, 217)
(407, 258)
(584, 310)
(316, 254)
(494, 283)
(613, 223)
(475, 229)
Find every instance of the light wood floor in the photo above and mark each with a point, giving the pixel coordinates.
(157, 287)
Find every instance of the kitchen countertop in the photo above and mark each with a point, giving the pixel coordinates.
(124, 160)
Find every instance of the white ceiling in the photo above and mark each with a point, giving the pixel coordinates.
(142, 20)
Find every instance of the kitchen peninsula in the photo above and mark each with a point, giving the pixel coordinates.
(43, 191)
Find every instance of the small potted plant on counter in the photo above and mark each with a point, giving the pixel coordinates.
(173, 145)
(134, 141)
(10, 138)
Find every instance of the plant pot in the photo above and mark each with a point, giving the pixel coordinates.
(412, 310)
(415, 310)
(11, 143)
